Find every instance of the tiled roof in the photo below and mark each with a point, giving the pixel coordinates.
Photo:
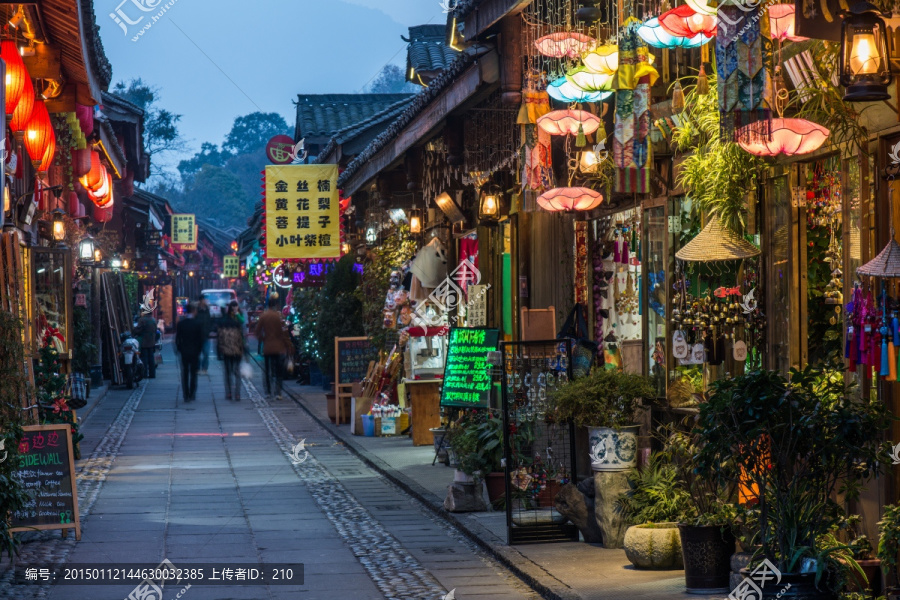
(418, 104)
(323, 115)
(427, 50)
(348, 133)
(463, 8)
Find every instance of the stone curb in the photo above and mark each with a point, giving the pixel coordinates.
(535, 576)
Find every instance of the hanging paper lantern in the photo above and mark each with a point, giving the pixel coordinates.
(569, 199)
(684, 21)
(564, 44)
(16, 75)
(789, 137)
(85, 115)
(72, 204)
(564, 91)
(586, 81)
(81, 162)
(652, 33)
(22, 113)
(103, 214)
(96, 175)
(40, 139)
(569, 122)
(604, 59)
(99, 197)
(781, 22)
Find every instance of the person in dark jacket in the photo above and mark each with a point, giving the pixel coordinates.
(230, 348)
(270, 329)
(189, 343)
(205, 320)
(146, 331)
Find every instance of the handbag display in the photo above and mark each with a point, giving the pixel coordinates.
(584, 351)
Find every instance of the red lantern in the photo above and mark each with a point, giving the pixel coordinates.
(789, 137)
(570, 199)
(73, 204)
(103, 214)
(81, 162)
(40, 139)
(16, 75)
(85, 116)
(684, 21)
(22, 113)
(100, 196)
(97, 174)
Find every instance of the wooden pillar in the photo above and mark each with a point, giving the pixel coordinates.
(511, 60)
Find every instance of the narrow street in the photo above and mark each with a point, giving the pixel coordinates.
(212, 482)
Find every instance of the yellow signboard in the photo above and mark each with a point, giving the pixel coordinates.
(184, 230)
(230, 267)
(303, 218)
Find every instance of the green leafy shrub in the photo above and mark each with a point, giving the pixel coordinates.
(12, 390)
(655, 494)
(605, 398)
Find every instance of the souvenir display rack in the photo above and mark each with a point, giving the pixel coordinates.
(540, 453)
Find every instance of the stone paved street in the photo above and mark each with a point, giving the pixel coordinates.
(212, 482)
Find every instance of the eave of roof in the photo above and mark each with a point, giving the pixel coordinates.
(321, 115)
(349, 133)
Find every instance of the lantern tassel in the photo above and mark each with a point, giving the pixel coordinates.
(581, 140)
(702, 81)
(677, 98)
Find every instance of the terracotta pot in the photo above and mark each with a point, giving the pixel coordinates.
(873, 582)
(548, 494)
(496, 485)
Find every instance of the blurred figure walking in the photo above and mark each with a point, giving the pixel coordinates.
(270, 329)
(230, 348)
(189, 340)
(147, 332)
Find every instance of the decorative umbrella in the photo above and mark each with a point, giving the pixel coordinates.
(788, 137)
(569, 122)
(684, 21)
(781, 22)
(652, 33)
(570, 199)
(564, 91)
(564, 44)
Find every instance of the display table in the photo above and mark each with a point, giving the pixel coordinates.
(425, 406)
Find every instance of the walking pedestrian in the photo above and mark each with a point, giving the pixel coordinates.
(130, 349)
(205, 320)
(270, 329)
(189, 342)
(146, 330)
(230, 348)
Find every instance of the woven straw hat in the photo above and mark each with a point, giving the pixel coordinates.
(886, 264)
(716, 243)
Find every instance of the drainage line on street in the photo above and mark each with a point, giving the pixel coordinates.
(530, 580)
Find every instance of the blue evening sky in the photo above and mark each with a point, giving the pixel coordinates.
(214, 61)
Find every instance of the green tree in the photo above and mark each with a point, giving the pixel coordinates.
(161, 133)
(392, 80)
(250, 133)
(340, 311)
(216, 192)
(209, 155)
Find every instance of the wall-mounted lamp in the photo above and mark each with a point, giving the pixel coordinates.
(86, 251)
(415, 221)
(865, 68)
(59, 226)
(489, 203)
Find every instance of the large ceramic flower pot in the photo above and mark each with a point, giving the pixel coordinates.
(654, 546)
(707, 558)
(794, 586)
(613, 449)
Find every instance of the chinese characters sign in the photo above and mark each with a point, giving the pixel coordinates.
(303, 220)
(230, 267)
(184, 230)
(467, 381)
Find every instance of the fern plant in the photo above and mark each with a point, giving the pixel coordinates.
(656, 494)
(716, 172)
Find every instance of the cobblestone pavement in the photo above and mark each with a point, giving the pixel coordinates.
(213, 481)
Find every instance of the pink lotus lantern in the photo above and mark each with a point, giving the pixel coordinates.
(684, 21)
(781, 21)
(568, 122)
(789, 137)
(569, 199)
(565, 44)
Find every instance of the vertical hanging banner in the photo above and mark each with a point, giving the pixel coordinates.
(230, 267)
(184, 230)
(303, 219)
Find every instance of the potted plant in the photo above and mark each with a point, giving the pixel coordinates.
(861, 549)
(489, 432)
(889, 545)
(605, 402)
(653, 502)
(707, 519)
(794, 444)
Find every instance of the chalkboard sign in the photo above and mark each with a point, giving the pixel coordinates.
(351, 359)
(467, 379)
(47, 471)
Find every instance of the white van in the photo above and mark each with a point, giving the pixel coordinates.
(218, 302)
